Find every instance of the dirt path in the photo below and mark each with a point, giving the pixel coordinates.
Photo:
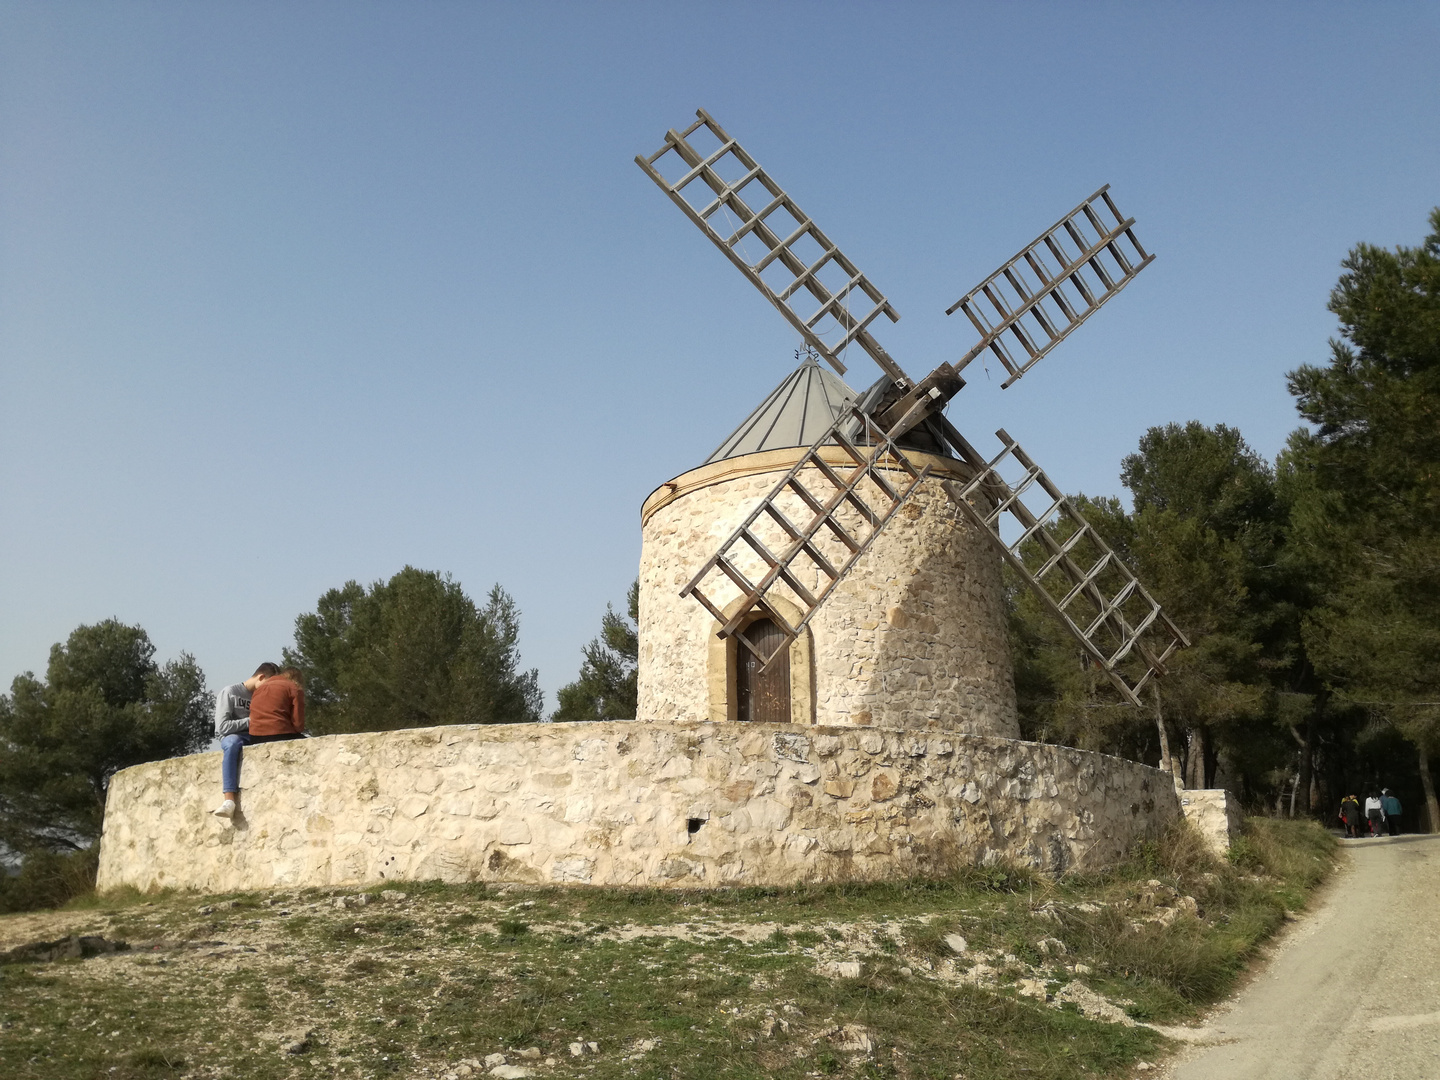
(1354, 991)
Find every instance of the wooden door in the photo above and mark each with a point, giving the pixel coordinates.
(762, 697)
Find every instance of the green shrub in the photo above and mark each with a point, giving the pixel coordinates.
(48, 880)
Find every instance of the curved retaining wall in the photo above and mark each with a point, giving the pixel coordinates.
(626, 803)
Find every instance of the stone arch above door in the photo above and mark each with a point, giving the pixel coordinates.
(722, 660)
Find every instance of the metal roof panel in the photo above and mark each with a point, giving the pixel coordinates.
(796, 413)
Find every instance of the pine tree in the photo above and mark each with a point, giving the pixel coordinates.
(607, 687)
(1367, 483)
(414, 651)
(104, 705)
(1203, 537)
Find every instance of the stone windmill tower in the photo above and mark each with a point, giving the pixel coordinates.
(837, 560)
(914, 635)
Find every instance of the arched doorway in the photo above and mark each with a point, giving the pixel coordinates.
(762, 697)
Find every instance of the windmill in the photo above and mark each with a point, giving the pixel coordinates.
(1021, 312)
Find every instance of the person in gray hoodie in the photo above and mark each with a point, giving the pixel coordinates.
(232, 717)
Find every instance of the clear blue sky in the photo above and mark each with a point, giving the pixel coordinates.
(294, 293)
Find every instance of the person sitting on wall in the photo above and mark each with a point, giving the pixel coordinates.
(232, 717)
(277, 713)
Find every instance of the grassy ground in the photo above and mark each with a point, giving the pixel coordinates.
(856, 980)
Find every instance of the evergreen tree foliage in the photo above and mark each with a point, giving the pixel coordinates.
(1310, 591)
(607, 688)
(1203, 537)
(413, 651)
(104, 705)
(1366, 485)
(1208, 529)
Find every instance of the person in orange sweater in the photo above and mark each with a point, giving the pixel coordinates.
(277, 713)
(278, 706)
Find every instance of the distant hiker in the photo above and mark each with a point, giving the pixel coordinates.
(1375, 813)
(1352, 817)
(276, 713)
(1392, 809)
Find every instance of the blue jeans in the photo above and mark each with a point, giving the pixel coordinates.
(231, 747)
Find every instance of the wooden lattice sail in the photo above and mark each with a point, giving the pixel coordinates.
(1022, 311)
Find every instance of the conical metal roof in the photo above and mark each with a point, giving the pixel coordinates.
(805, 405)
(796, 413)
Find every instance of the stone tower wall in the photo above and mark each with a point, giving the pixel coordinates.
(913, 638)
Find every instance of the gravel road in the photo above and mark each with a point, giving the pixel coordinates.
(1354, 989)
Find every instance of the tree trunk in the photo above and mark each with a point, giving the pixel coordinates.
(1428, 781)
(1196, 765)
(1160, 726)
(1167, 763)
(1305, 782)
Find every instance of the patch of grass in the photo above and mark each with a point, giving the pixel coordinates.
(1298, 854)
(468, 892)
(845, 900)
(408, 989)
(126, 896)
(153, 1062)
(391, 925)
(1170, 969)
(929, 940)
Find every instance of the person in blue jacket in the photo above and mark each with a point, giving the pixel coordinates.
(1391, 805)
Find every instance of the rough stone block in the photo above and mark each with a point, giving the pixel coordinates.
(1216, 813)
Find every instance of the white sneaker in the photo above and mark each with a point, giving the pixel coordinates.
(225, 809)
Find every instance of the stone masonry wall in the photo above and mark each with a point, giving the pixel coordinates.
(625, 803)
(914, 637)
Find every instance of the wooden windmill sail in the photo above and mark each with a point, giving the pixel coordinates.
(1021, 312)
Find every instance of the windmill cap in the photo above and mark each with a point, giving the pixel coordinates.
(796, 413)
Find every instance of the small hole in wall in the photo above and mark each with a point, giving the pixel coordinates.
(692, 825)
